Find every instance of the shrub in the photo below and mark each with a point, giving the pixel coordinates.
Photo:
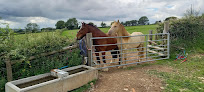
(21, 47)
(186, 33)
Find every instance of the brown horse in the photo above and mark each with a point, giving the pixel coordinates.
(86, 28)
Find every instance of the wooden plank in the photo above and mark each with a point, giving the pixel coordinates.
(152, 42)
(9, 69)
(151, 51)
(155, 47)
(88, 43)
(150, 36)
(156, 37)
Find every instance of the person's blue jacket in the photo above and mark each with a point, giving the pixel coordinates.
(83, 47)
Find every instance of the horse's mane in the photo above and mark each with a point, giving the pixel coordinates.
(124, 31)
(101, 33)
(93, 26)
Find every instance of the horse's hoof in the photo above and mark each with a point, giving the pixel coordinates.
(105, 69)
(124, 67)
(120, 66)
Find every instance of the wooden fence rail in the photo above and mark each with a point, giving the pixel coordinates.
(153, 44)
(9, 63)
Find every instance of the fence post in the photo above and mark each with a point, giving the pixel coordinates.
(9, 69)
(146, 47)
(150, 36)
(166, 29)
(88, 43)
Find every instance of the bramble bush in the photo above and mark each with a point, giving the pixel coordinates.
(187, 32)
(21, 47)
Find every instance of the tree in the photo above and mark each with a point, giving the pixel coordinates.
(191, 12)
(143, 20)
(171, 18)
(60, 24)
(158, 22)
(91, 23)
(20, 31)
(32, 27)
(103, 24)
(48, 29)
(123, 23)
(128, 23)
(71, 23)
(134, 22)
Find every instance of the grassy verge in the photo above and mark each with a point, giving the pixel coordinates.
(187, 76)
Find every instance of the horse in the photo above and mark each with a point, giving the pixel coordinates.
(87, 28)
(117, 29)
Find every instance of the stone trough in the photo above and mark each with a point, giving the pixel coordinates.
(71, 78)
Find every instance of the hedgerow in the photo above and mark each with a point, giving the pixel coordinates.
(22, 47)
(187, 32)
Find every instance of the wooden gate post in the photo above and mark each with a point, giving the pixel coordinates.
(150, 36)
(166, 29)
(9, 69)
(88, 43)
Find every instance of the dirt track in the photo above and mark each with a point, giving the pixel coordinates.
(124, 80)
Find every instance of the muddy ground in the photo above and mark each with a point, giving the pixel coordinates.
(130, 80)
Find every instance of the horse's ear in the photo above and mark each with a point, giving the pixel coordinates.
(83, 23)
(118, 21)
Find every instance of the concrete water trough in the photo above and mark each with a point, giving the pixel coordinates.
(78, 76)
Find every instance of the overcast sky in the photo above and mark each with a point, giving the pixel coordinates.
(47, 12)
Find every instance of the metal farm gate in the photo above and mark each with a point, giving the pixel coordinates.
(155, 47)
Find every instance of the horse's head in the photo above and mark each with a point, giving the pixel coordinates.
(82, 31)
(115, 28)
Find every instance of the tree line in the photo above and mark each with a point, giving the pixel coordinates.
(72, 23)
(142, 21)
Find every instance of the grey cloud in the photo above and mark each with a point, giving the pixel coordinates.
(97, 10)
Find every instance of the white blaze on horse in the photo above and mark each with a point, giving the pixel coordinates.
(117, 29)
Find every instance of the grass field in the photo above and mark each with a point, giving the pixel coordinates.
(186, 77)
(144, 29)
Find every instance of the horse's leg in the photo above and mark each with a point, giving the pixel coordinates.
(141, 52)
(119, 57)
(125, 59)
(103, 55)
(115, 56)
(104, 61)
(98, 58)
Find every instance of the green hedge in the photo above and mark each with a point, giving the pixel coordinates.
(21, 47)
(187, 33)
